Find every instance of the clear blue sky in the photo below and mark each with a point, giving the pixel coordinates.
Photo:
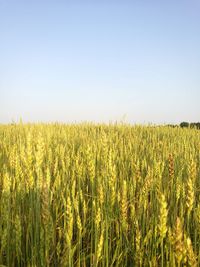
(100, 60)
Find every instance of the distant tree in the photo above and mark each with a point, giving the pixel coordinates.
(184, 124)
(195, 125)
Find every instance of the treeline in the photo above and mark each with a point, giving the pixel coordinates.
(190, 125)
(185, 124)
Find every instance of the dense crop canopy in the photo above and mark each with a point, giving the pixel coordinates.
(99, 195)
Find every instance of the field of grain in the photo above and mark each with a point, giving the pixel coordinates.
(99, 195)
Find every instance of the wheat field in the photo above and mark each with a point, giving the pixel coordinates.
(99, 195)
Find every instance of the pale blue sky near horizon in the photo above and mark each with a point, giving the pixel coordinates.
(100, 61)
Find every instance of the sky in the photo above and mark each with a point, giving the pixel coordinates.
(100, 61)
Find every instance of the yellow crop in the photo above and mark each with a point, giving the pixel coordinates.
(99, 195)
